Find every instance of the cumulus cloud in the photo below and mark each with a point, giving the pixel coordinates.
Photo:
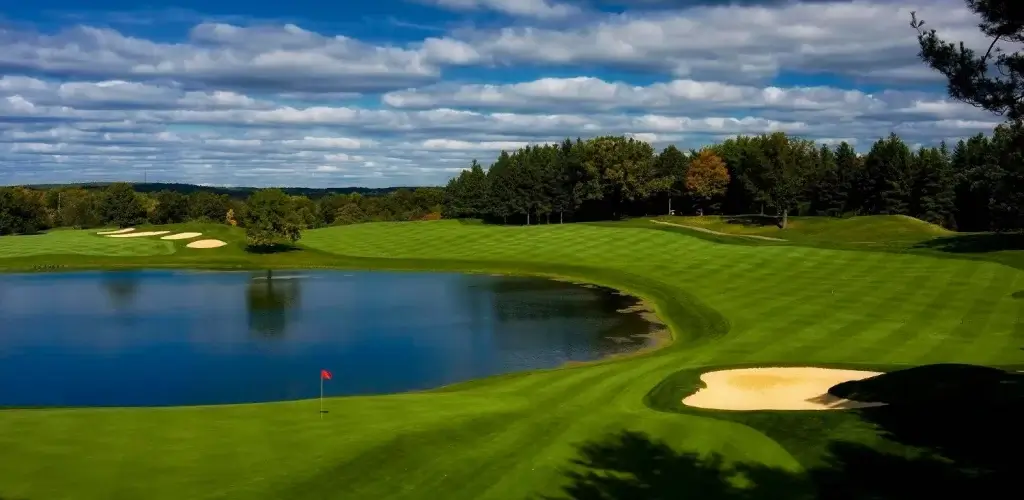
(590, 94)
(542, 9)
(869, 40)
(216, 55)
(276, 104)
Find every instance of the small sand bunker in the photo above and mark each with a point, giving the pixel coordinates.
(207, 244)
(137, 235)
(798, 388)
(118, 231)
(181, 236)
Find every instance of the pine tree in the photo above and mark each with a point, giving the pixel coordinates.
(933, 189)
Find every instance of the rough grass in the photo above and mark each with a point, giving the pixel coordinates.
(513, 436)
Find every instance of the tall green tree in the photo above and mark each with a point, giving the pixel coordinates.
(934, 187)
(671, 166)
(122, 206)
(204, 205)
(780, 171)
(171, 207)
(890, 174)
(270, 219)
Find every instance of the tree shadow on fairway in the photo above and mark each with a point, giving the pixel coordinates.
(632, 466)
(753, 220)
(975, 243)
(963, 423)
(271, 249)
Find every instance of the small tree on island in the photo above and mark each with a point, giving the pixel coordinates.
(706, 178)
(270, 219)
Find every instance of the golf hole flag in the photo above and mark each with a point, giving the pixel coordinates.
(324, 375)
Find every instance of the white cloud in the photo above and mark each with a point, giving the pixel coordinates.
(279, 104)
(285, 58)
(541, 9)
(865, 39)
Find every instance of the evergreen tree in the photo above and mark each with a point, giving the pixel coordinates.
(889, 172)
(934, 195)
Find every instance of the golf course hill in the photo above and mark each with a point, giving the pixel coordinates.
(802, 364)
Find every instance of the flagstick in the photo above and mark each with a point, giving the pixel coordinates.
(321, 396)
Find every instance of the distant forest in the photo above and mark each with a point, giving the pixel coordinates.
(973, 185)
(29, 209)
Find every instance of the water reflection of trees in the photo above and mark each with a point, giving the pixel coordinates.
(122, 287)
(582, 319)
(272, 303)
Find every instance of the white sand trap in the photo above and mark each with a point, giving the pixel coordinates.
(181, 236)
(207, 244)
(137, 235)
(798, 388)
(118, 231)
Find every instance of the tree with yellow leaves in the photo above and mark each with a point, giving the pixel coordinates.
(706, 178)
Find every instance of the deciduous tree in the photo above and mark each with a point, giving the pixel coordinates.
(706, 177)
(122, 206)
(270, 219)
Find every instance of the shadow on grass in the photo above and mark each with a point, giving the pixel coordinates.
(755, 220)
(271, 249)
(966, 423)
(631, 465)
(947, 431)
(975, 243)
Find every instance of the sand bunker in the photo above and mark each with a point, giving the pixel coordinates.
(799, 388)
(181, 236)
(137, 235)
(118, 231)
(206, 244)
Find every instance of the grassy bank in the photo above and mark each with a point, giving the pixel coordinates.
(515, 436)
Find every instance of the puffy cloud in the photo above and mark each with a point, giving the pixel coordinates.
(281, 105)
(542, 9)
(216, 55)
(869, 40)
(589, 94)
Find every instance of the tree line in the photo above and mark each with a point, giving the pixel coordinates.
(25, 210)
(975, 185)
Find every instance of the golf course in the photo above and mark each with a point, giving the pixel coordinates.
(939, 311)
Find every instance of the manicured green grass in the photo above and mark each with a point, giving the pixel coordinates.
(81, 243)
(866, 232)
(511, 437)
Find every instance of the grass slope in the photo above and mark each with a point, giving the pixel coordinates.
(513, 436)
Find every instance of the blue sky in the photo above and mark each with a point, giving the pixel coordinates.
(408, 92)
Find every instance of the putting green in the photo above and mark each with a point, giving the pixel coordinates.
(511, 437)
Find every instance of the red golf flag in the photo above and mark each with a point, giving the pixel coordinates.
(325, 375)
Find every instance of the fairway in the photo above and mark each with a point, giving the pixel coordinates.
(513, 436)
(71, 242)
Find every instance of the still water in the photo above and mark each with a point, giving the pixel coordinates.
(144, 338)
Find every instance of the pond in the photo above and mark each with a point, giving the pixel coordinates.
(157, 337)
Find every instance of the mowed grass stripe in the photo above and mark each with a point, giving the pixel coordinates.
(833, 299)
(71, 242)
(924, 326)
